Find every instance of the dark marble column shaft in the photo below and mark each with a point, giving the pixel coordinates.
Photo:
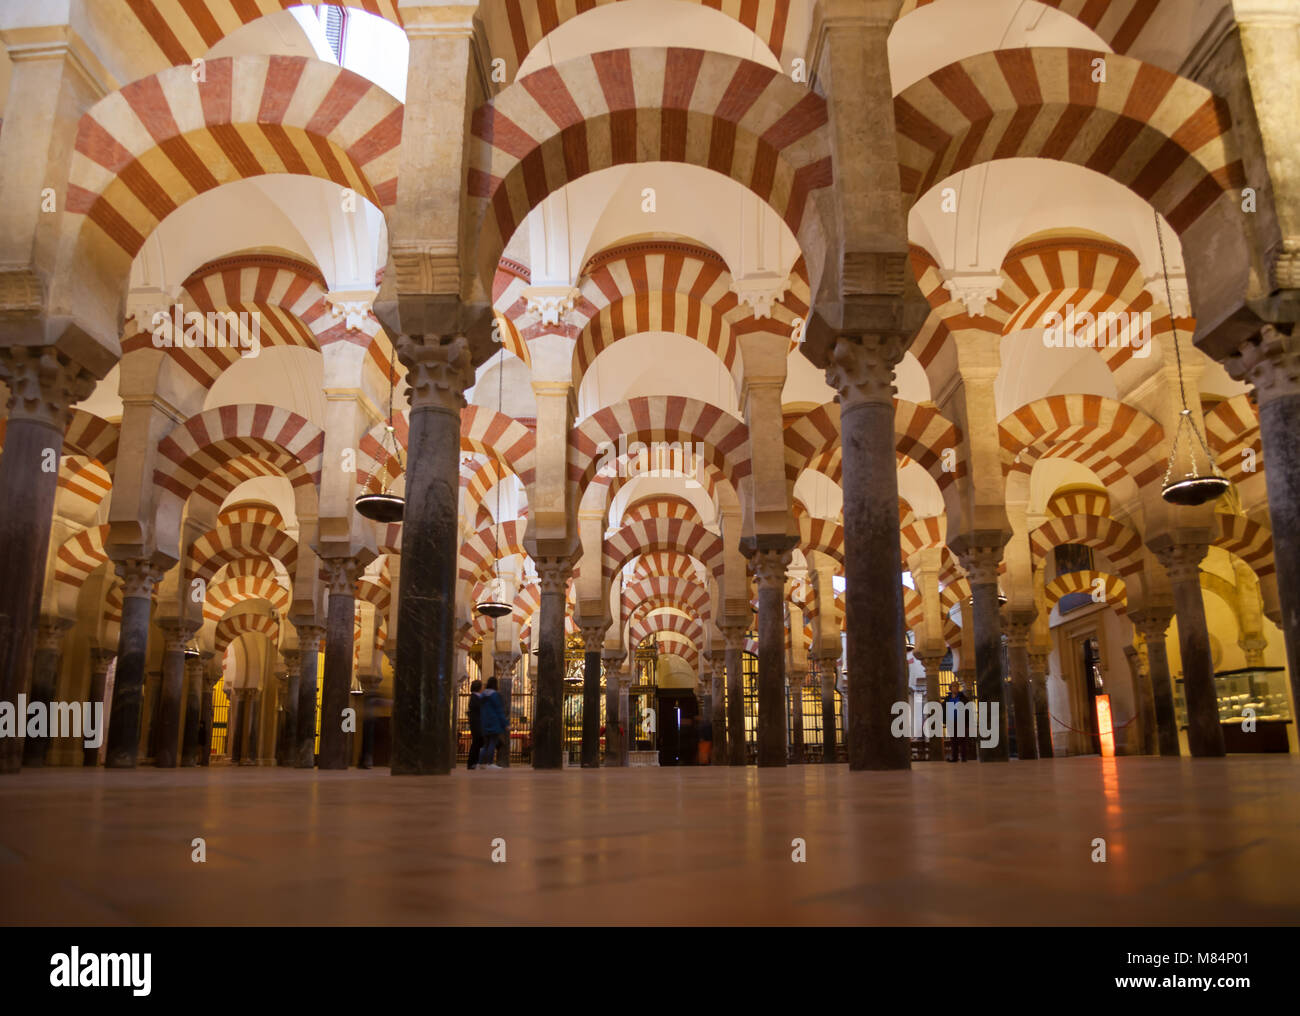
(548, 714)
(1042, 716)
(980, 554)
(1022, 696)
(424, 679)
(796, 717)
(769, 571)
(211, 676)
(593, 641)
(193, 710)
(253, 746)
(42, 385)
(286, 751)
(736, 750)
(612, 660)
(172, 696)
(504, 666)
(932, 660)
(236, 722)
(828, 668)
(718, 665)
(862, 371)
(138, 579)
(309, 640)
(100, 660)
(1153, 623)
(335, 742)
(45, 680)
(1182, 563)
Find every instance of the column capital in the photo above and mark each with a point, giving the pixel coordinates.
(593, 636)
(931, 659)
(438, 370)
(769, 567)
(309, 637)
(177, 632)
(43, 383)
(1181, 558)
(1017, 625)
(553, 573)
(100, 659)
(1270, 362)
(1152, 622)
(139, 575)
(50, 632)
(734, 635)
(980, 554)
(292, 658)
(796, 678)
(1037, 664)
(341, 574)
(862, 368)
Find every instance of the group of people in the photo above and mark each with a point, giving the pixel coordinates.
(955, 699)
(489, 726)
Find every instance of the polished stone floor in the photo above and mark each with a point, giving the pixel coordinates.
(1187, 842)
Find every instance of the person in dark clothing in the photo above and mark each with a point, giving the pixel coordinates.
(475, 723)
(953, 704)
(496, 725)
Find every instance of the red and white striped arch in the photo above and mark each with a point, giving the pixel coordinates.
(1232, 432)
(735, 117)
(1112, 439)
(920, 533)
(659, 506)
(183, 30)
(232, 627)
(668, 563)
(77, 557)
(229, 543)
(1113, 587)
(665, 591)
(666, 619)
(719, 439)
(482, 549)
(825, 536)
(143, 151)
(1119, 542)
(1165, 138)
(1248, 539)
(1118, 22)
(645, 536)
(192, 456)
(1078, 501)
(246, 579)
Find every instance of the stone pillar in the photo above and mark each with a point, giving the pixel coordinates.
(193, 710)
(45, 681)
(211, 677)
(252, 745)
(100, 659)
(797, 679)
(735, 636)
(1146, 717)
(341, 576)
(718, 663)
(829, 669)
(593, 640)
(612, 660)
(548, 714)
(43, 385)
(176, 634)
(1272, 365)
(769, 571)
(862, 372)
(1182, 562)
(370, 684)
(309, 640)
(236, 720)
(504, 666)
(138, 579)
(932, 660)
(980, 554)
(1018, 624)
(1042, 716)
(624, 717)
(424, 680)
(1153, 623)
(286, 752)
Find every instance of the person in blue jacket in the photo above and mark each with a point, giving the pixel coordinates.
(496, 726)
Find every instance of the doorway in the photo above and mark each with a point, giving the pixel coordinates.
(678, 714)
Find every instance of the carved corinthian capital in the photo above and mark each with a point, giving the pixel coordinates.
(439, 370)
(862, 368)
(1271, 363)
(44, 384)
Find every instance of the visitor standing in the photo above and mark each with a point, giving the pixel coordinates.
(475, 723)
(496, 726)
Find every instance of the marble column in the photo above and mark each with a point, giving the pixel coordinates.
(932, 660)
(370, 685)
(309, 640)
(1182, 562)
(593, 641)
(548, 714)
(718, 665)
(504, 665)
(862, 372)
(43, 385)
(341, 574)
(1153, 623)
(286, 752)
(100, 659)
(138, 580)
(769, 571)
(797, 679)
(1018, 624)
(828, 669)
(176, 634)
(735, 639)
(1146, 716)
(1272, 364)
(211, 678)
(612, 660)
(424, 679)
(193, 710)
(236, 721)
(45, 682)
(624, 717)
(253, 744)
(1042, 717)
(980, 554)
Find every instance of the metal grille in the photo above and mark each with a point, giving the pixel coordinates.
(220, 719)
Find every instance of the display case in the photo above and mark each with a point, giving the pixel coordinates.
(1251, 693)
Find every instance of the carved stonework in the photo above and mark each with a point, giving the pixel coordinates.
(1182, 561)
(352, 308)
(1179, 292)
(973, 289)
(438, 371)
(1271, 363)
(20, 293)
(593, 637)
(760, 292)
(100, 659)
(425, 268)
(980, 562)
(504, 664)
(341, 574)
(553, 573)
(309, 637)
(1016, 627)
(862, 368)
(1152, 622)
(550, 303)
(50, 632)
(176, 633)
(769, 568)
(1286, 266)
(292, 658)
(139, 576)
(734, 634)
(872, 273)
(43, 384)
